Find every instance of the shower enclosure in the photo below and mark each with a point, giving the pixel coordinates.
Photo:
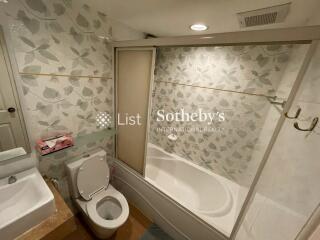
(208, 164)
(213, 114)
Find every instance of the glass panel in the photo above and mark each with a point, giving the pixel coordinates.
(288, 190)
(214, 110)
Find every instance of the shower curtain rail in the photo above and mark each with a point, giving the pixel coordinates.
(270, 98)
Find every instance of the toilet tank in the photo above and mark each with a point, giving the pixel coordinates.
(73, 165)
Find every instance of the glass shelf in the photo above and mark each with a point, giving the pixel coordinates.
(93, 137)
(81, 144)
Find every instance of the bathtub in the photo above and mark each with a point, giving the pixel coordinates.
(211, 197)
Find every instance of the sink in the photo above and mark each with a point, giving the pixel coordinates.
(24, 203)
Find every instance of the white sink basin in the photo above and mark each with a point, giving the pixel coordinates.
(24, 204)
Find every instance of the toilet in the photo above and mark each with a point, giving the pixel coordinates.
(104, 208)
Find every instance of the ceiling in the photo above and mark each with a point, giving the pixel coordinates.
(173, 17)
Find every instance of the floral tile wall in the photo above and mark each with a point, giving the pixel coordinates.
(62, 37)
(250, 69)
(228, 150)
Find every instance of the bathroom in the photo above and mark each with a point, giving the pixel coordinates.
(148, 120)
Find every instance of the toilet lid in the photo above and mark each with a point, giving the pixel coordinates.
(93, 175)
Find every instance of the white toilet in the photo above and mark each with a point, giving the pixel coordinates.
(104, 208)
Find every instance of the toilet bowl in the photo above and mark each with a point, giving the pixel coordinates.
(104, 208)
(106, 212)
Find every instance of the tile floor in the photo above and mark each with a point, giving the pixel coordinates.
(133, 228)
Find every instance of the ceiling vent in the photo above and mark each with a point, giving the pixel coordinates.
(264, 16)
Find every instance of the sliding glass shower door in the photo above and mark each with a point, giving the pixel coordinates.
(214, 111)
(288, 190)
(134, 70)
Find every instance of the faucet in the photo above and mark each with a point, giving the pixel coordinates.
(12, 179)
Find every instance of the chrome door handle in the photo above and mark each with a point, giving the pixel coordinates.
(310, 129)
(295, 116)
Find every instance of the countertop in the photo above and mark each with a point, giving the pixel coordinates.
(55, 227)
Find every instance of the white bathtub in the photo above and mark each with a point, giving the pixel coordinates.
(211, 197)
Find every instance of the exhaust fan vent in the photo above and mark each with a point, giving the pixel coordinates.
(263, 16)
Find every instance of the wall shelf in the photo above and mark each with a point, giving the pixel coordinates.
(81, 142)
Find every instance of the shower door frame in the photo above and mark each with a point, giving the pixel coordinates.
(298, 35)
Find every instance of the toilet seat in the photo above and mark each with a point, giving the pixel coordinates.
(93, 177)
(110, 193)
